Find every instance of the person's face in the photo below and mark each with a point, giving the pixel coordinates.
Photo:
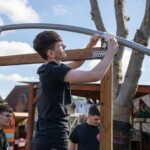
(94, 120)
(5, 118)
(59, 51)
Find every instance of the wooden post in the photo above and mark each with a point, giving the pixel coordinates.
(106, 125)
(30, 122)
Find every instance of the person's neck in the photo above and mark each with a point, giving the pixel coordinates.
(88, 122)
(53, 60)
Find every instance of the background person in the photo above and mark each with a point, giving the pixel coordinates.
(85, 136)
(5, 118)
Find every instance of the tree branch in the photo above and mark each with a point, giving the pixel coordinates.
(133, 73)
(96, 15)
(122, 31)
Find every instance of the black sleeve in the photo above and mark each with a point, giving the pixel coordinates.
(5, 142)
(74, 136)
(58, 72)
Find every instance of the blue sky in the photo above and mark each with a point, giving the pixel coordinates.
(67, 12)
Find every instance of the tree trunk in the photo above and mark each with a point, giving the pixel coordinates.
(121, 139)
(124, 91)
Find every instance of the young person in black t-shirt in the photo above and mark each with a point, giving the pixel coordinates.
(54, 94)
(85, 136)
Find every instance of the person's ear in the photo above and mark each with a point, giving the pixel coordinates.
(88, 116)
(50, 53)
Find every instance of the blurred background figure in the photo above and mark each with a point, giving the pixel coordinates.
(5, 119)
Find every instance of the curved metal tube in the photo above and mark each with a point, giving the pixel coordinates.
(81, 30)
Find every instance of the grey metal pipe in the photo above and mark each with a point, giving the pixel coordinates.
(81, 30)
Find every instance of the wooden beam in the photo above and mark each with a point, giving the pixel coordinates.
(85, 87)
(30, 121)
(86, 90)
(106, 117)
(76, 54)
(143, 89)
(91, 90)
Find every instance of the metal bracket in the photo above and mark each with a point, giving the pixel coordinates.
(104, 45)
(98, 54)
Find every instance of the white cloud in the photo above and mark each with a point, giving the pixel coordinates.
(16, 77)
(60, 10)
(14, 48)
(18, 11)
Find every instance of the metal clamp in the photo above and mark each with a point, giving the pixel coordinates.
(98, 54)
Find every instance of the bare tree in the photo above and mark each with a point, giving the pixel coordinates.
(124, 91)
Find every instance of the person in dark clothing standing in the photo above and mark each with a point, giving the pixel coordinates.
(5, 118)
(54, 93)
(85, 135)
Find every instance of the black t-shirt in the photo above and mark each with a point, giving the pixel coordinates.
(85, 136)
(52, 124)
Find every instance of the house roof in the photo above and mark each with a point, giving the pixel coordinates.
(14, 94)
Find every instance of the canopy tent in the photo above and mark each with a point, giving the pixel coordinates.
(141, 107)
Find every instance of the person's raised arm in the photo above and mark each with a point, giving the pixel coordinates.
(98, 71)
(93, 41)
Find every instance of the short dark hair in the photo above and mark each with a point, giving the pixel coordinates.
(94, 110)
(44, 41)
(5, 108)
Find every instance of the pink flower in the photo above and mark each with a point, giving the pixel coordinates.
(98, 137)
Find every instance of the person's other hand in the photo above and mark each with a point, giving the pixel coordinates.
(107, 36)
(113, 45)
(93, 41)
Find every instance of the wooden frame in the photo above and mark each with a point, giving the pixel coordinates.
(106, 112)
(83, 55)
(106, 93)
